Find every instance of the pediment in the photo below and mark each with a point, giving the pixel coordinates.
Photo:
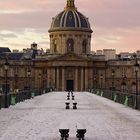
(70, 57)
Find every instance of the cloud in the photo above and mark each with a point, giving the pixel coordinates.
(115, 24)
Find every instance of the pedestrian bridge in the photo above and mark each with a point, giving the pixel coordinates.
(40, 118)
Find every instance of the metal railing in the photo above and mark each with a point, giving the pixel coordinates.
(128, 99)
(20, 96)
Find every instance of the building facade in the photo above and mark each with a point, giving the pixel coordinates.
(69, 65)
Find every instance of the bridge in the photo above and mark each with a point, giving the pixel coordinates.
(41, 117)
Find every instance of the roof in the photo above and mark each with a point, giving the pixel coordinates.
(70, 19)
(4, 49)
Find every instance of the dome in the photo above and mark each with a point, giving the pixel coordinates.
(70, 19)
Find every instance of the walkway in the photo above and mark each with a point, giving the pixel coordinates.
(41, 117)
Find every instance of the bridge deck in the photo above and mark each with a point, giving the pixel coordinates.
(41, 117)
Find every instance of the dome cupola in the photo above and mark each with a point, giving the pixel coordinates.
(70, 19)
(70, 32)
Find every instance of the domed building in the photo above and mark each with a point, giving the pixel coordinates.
(69, 65)
(70, 31)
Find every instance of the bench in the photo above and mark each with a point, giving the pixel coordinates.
(67, 105)
(68, 97)
(64, 131)
(80, 132)
(72, 97)
(74, 105)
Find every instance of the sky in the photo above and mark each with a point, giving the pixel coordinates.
(115, 23)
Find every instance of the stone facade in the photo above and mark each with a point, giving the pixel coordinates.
(70, 64)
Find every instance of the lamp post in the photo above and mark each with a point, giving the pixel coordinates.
(6, 67)
(94, 82)
(112, 74)
(136, 66)
(29, 75)
(39, 87)
(101, 77)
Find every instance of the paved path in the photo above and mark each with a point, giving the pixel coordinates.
(41, 117)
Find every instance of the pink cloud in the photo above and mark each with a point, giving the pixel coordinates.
(109, 19)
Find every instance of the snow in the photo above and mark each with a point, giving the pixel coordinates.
(40, 118)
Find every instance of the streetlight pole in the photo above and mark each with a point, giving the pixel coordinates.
(39, 87)
(101, 77)
(94, 82)
(136, 66)
(113, 74)
(29, 75)
(6, 67)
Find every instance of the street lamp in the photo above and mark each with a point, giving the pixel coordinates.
(6, 68)
(112, 74)
(29, 87)
(101, 77)
(94, 82)
(39, 85)
(136, 66)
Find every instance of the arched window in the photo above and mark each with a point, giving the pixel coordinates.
(84, 46)
(70, 45)
(55, 45)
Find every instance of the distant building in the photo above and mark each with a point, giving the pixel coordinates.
(125, 55)
(109, 54)
(69, 64)
(15, 51)
(99, 52)
(138, 53)
(4, 50)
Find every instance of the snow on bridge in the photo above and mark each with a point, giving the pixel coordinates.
(41, 117)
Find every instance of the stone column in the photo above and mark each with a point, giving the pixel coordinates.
(76, 79)
(63, 79)
(82, 78)
(48, 77)
(53, 77)
(57, 84)
(86, 78)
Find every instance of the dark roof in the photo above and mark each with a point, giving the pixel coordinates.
(70, 19)
(16, 56)
(11, 56)
(4, 49)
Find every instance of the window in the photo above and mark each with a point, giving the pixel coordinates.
(55, 45)
(70, 45)
(123, 87)
(123, 71)
(133, 87)
(84, 46)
